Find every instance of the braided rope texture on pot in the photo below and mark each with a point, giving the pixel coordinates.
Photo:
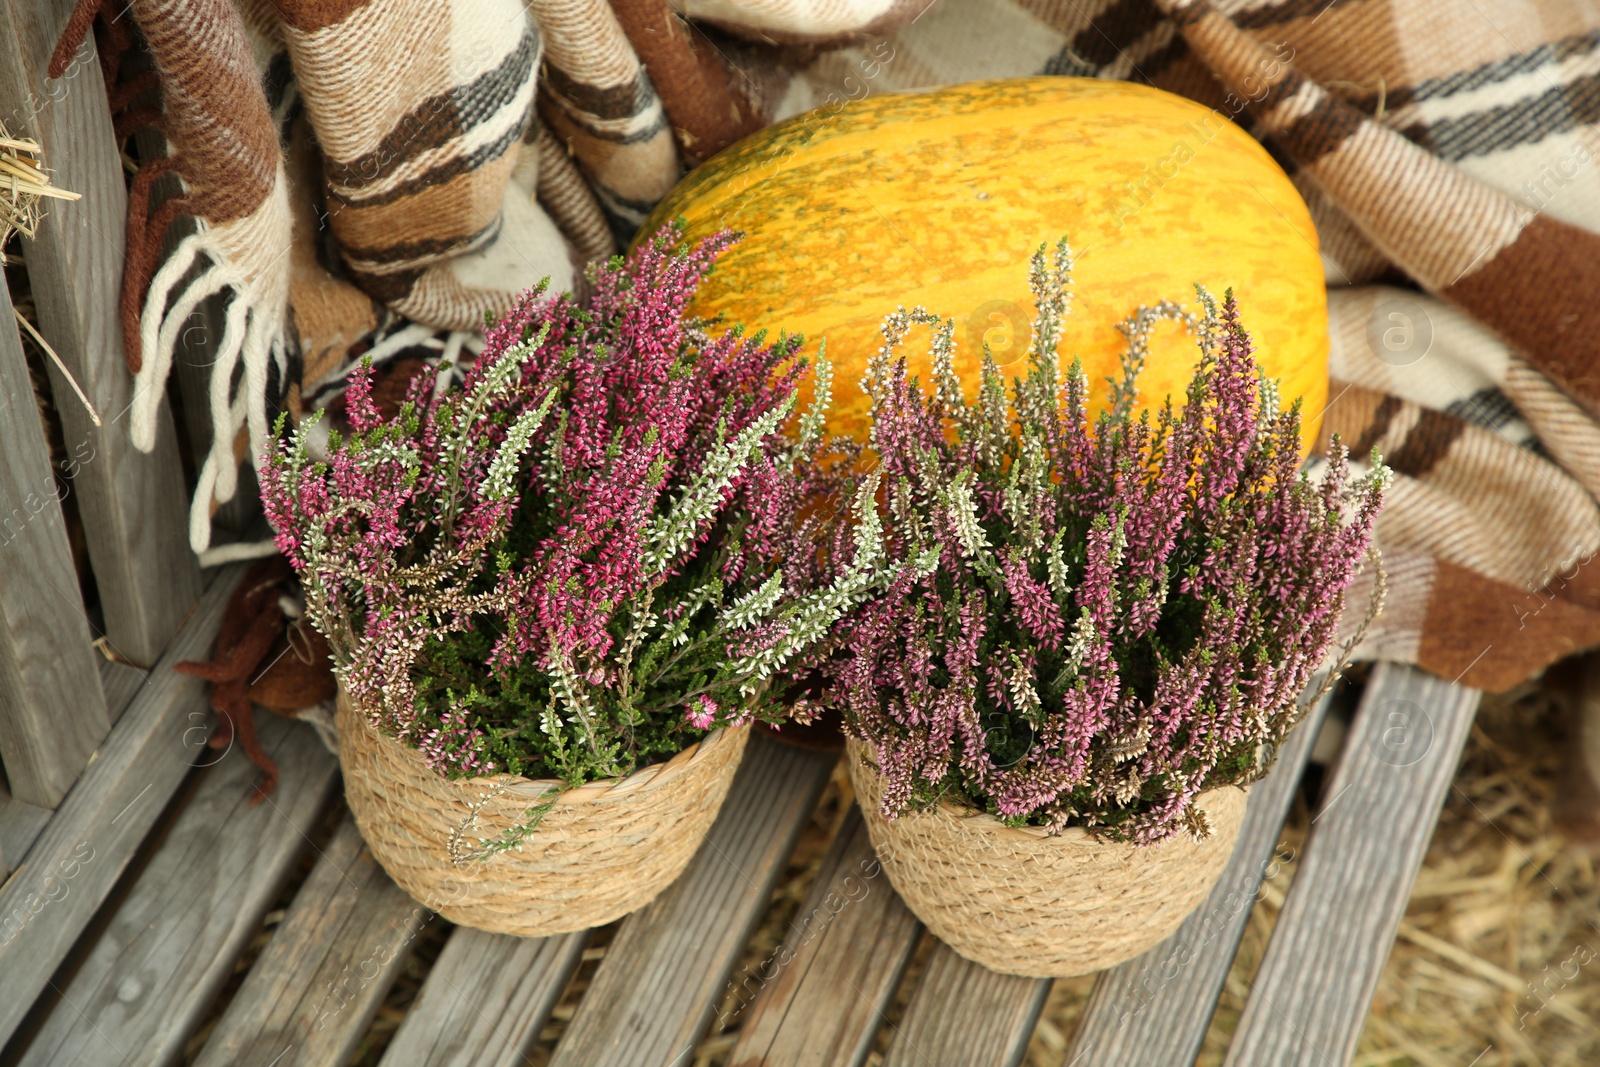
(1021, 902)
(602, 850)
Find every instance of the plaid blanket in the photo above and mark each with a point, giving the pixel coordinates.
(1445, 150)
(441, 155)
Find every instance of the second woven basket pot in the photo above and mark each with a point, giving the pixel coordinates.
(601, 851)
(1022, 902)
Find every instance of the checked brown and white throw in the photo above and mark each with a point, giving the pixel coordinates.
(436, 157)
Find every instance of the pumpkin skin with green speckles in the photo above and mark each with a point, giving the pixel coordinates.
(938, 198)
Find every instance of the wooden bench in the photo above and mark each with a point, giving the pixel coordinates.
(143, 971)
(138, 875)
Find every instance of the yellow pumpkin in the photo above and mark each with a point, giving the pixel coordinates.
(938, 198)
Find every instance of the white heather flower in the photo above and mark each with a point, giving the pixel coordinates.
(671, 533)
(964, 516)
(754, 605)
(497, 484)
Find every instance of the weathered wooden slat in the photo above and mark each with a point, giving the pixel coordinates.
(819, 1000)
(1310, 995)
(105, 818)
(144, 986)
(665, 973)
(309, 997)
(121, 684)
(963, 1013)
(52, 712)
(20, 824)
(485, 1000)
(1155, 1009)
(134, 505)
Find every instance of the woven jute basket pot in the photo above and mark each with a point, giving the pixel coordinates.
(601, 850)
(1022, 902)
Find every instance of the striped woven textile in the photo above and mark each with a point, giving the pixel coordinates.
(1494, 538)
(222, 144)
(419, 110)
(437, 156)
(598, 100)
(408, 127)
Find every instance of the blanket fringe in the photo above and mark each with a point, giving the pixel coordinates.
(252, 334)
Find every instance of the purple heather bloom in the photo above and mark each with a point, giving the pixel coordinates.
(1124, 609)
(534, 571)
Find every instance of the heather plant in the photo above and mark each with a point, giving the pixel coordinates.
(611, 539)
(1106, 615)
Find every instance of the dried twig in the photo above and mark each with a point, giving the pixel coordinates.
(62, 367)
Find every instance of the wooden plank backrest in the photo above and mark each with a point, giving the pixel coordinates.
(121, 684)
(20, 824)
(134, 505)
(1310, 996)
(52, 710)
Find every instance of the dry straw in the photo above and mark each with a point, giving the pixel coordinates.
(597, 853)
(1022, 902)
(1498, 958)
(23, 185)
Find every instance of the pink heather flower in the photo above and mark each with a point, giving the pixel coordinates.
(615, 509)
(1116, 613)
(701, 713)
(455, 744)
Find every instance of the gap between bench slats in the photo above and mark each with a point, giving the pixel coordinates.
(1154, 1010)
(21, 822)
(316, 986)
(116, 800)
(963, 1013)
(1310, 996)
(665, 973)
(820, 998)
(485, 1000)
(149, 979)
